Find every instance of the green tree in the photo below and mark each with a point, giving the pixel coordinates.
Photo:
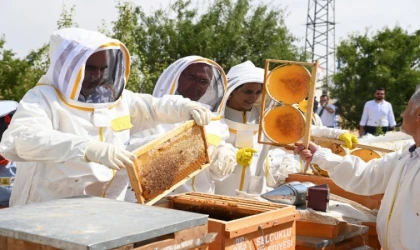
(11, 71)
(17, 76)
(228, 33)
(390, 58)
(124, 29)
(66, 19)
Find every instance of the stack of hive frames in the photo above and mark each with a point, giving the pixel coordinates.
(242, 223)
(220, 206)
(168, 161)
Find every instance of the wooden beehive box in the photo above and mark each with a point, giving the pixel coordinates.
(371, 202)
(313, 236)
(315, 229)
(83, 226)
(242, 223)
(373, 235)
(167, 162)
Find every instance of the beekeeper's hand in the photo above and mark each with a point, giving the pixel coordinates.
(223, 160)
(108, 155)
(244, 156)
(349, 139)
(201, 115)
(306, 154)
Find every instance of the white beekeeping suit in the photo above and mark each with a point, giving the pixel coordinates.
(69, 143)
(216, 131)
(397, 174)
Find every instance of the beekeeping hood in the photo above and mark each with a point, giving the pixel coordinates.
(214, 97)
(237, 76)
(70, 49)
(245, 72)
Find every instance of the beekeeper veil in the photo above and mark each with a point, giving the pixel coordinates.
(87, 68)
(197, 78)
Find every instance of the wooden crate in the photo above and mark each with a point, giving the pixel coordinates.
(351, 236)
(167, 162)
(373, 241)
(355, 242)
(82, 223)
(192, 238)
(371, 202)
(242, 223)
(309, 228)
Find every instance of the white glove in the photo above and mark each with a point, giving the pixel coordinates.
(201, 115)
(223, 160)
(108, 155)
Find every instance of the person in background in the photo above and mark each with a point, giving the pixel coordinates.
(377, 113)
(397, 175)
(70, 132)
(7, 168)
(326, 112)
(316, 104)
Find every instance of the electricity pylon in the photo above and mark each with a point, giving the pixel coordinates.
(320, 40)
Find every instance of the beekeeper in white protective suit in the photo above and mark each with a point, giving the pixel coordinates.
(202, 80)
(396, 174)
(69, 132)
(259, 166)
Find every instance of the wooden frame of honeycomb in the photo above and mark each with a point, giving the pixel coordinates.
(265, 100)
(167, 162)
(318, 139)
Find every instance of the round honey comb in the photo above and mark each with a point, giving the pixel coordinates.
(284, 124)
(365, 154)
(288, 83)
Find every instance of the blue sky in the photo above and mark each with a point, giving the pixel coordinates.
(27, 24)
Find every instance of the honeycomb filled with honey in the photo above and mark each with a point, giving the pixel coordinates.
(284, 124)
(288, 83)
(171, 161)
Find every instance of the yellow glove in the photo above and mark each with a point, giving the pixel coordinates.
(244, 156)
(349, 139)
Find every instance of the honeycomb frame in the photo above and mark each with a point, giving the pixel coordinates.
(167, 162)
(265, 104)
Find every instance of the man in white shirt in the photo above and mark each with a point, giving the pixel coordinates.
(377, 113)
(326, 111)
(397, 175)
